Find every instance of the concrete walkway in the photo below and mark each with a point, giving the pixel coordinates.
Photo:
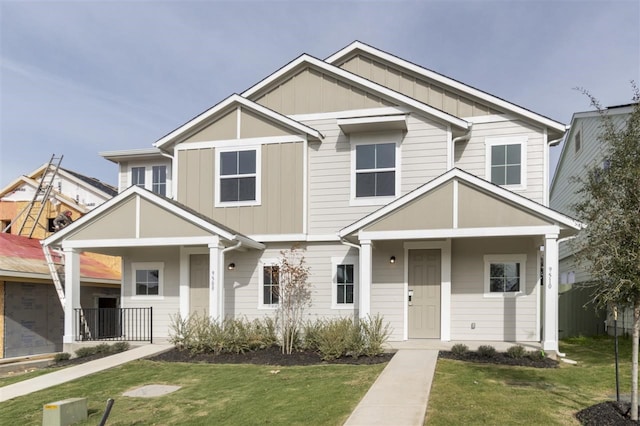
(400, 395)
(71, 373)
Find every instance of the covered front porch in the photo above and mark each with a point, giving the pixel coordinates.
(460, 259)
(158, 241)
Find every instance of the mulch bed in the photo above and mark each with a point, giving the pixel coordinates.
(269, 356)
(606, 414)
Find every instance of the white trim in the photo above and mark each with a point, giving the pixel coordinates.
(418, 234)
(282, 119)
(322, 237)
(490, 142)
(390, 137)
(344, 260)
(349, 113)
(373, 123)
(505, 258)
(538, 295)
(456, 203)
(456, 85)
(147, 266)
(238, 143)
(261, 265)
(274, 238)
(450, 149)
(445, 284)
(493, 118)
(137, 218)
(545, 169)
(258, 175)
(517, 200)
(305, 186)
(357, 81)
(238, 122)
(137, 242)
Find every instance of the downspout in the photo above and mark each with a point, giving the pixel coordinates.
(458, 139)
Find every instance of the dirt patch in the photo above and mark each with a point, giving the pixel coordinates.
(501, 359)
(606, 414)
(269, 356)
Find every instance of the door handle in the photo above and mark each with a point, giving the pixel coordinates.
(410, 297)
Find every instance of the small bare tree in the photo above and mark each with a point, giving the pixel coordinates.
(293, 293)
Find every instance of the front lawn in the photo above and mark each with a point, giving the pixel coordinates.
(210, 394)
(467, 393)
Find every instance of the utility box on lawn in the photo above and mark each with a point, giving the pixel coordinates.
(65, 412)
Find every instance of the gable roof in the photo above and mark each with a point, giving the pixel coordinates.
(232, 100)
(24, 180)
(187, 214)
(357, 46)
(612, 110)
(307, 60)
(474, 181)
(23, 257)
(96, 183)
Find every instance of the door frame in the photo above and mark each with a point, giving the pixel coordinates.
(445, 285)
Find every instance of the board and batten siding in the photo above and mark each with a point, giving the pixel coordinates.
(423, 151)
(470, 155)
(475, 316)
(280, 211)
(168, 304)
(417, 87)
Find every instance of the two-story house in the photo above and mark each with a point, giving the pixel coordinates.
(417, 197)
(581, 151)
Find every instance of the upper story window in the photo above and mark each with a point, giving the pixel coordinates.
(138, 176)
(506, 164)
(375, 167)
(159, 180)
(153, 178)
(238, 177)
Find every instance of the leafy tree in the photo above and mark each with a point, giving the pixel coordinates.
(293, 294)
(609, 247)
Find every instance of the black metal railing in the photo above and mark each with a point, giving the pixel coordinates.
(114, 324)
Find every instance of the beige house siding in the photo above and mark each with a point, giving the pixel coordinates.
(168, 304)
(495, 318)
(471, 155)
(418, 87)
(226, 127)
(387, 287)
(254, 126)
(477, 209)
(423, 155)
(312, 91)
(432, 211)
(282, 179)
(117, 223)
(158, 223)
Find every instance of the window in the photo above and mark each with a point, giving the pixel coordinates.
(578, 141)
(159, 180)
(238, 173)
(345, 277)
(505, 274)
(137, 176)
(270, 285)
(147, 278)
(376, 170)
(506, 163)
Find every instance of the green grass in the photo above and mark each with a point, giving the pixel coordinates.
(210, 394)
(467, 393)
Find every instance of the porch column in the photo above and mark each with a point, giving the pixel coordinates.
(216, 296)
(71, 292)
(550, 329)
(365, 279)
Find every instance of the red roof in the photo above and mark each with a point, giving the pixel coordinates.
(22, 254)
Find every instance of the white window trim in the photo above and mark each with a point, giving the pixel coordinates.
(510, 140)
(504, 258)
(148, 176)
(137, 266)
(257, 201)
(335, 261)
(374, 139)
(263, 263)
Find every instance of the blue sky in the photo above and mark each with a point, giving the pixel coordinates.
(77, 78)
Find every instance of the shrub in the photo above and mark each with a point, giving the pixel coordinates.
(311, 335)
(86, 351)
(536, 355)
(335, 338)
(120, 347)
(486, 351)
(63, 356)
(102, 348)
(375, 334)
(460, 349)
(516, 352)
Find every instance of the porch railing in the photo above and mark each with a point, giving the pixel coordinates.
(114, 324)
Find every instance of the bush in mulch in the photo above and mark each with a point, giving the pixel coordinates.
(606, 414)
(489, 355)
(89, 353)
